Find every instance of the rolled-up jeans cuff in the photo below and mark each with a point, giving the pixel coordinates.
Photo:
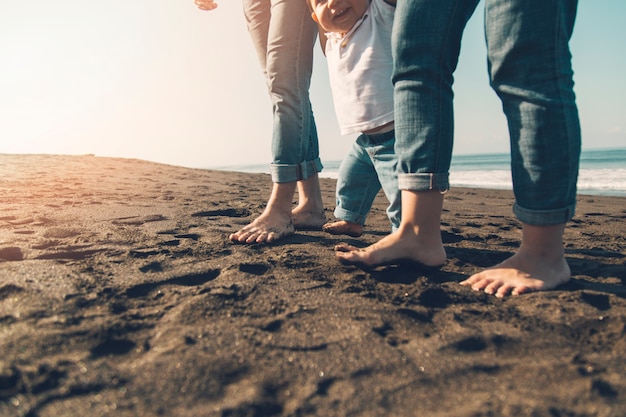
(424, 182)
(349, 216)
(544, 217)
(282, 173)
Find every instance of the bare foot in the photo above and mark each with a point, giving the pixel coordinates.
(520, 274)
(264, 229)
(275, 221)
(343, 227)
(396, 248)
(308, 220)
(538, 265)
(309, 213)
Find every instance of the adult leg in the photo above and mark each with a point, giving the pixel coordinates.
(530, 69)
(426, 42)
(309, 213)
(295, 146)
(283, 35)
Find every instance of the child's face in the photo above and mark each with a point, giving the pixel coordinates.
(338, 15)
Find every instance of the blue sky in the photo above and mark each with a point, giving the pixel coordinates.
(163, 81)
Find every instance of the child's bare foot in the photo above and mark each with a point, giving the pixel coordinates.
(264, 229)
(343, 227)
(308, 220)
(520, 274)
(395, 248)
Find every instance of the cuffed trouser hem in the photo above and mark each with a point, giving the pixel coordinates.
(544, 217)
(283, 173)
(349, 216)
(424, 182)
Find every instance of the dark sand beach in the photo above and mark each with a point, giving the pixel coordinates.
(121, 296)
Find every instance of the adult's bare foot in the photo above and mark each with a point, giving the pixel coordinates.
(309, 213)
(264, 229)
(397, 248)
(520, 274)
(343, 227)
(275, 221)
(538, 265)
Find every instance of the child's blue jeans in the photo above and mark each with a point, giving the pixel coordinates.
(369, 165)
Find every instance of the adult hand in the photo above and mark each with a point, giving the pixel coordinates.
(205, 4)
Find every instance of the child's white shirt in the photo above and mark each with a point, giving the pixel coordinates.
(360, 68)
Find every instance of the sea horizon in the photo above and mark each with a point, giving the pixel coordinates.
(602, 171)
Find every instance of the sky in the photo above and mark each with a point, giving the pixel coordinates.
(163, 81)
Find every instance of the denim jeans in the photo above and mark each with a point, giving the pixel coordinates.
(283, 35)
(529, 65)
(369, 165)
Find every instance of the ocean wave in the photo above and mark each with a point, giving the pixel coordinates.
(603, 171)
(590, 181)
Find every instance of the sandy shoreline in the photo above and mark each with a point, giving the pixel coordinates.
(120, 296)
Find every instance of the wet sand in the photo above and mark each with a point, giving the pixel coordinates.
(121, 296)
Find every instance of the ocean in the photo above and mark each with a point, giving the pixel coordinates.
(602, 171)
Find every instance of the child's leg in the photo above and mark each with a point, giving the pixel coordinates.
(385, 162)
(342, 227)
(357, 187)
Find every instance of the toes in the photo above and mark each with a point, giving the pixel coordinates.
(236, 237)
(467, 282)
(486, 285)
(522, 289)
(244, 236)
(271, 237)
(491, 287)
(258, 237)
(344, 247)
(503, 290)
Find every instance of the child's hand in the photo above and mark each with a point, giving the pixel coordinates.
(205, 4)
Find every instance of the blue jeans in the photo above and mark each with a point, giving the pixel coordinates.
(283, 35)
(530, 69)
(369, 165)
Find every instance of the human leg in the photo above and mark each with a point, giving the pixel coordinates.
(283, 35)
(357, 186)
(309, 213)
(383, 156)
(295, 146)
(418, 240)
(425, 42)
(530, 68)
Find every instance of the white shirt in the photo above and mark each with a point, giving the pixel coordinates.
(360, 67)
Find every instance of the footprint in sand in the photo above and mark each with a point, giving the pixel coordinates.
(253, 268)
(9, 290)
(112, 346)
(190, 280)
(228, 212)
(138, 220)
(11, 253)
(69, 253)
